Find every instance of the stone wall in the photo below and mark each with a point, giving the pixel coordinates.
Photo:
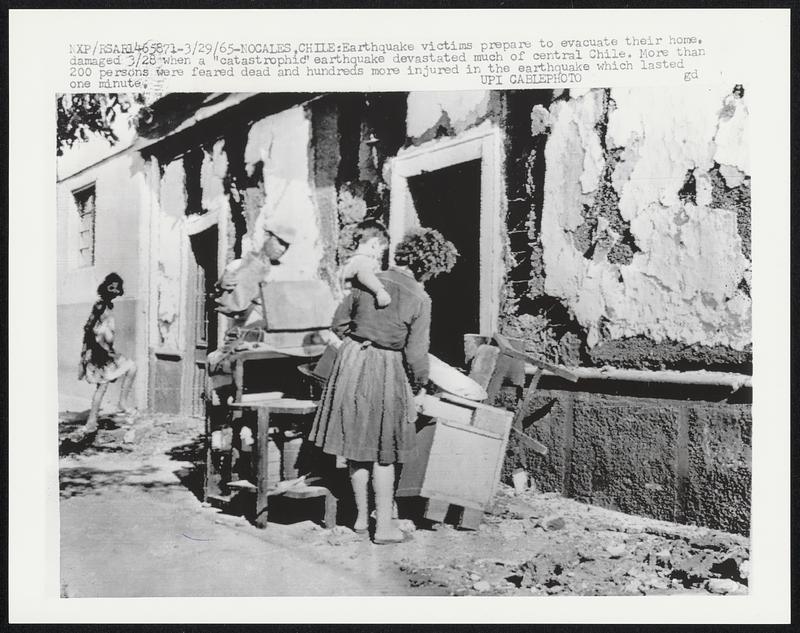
(678, 460)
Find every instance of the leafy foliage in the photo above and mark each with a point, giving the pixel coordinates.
(427, 253)
(84, 114)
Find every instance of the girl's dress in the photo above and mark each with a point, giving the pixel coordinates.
(99, 362)
(367, 410)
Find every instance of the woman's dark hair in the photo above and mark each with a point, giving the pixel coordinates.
(426, 253)
(103, 289)
(368, 229)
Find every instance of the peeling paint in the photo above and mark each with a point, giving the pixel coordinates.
(212, 174)
(732, 140)
(683, 283)
(171, 237)
(279, 145)
(458, 109)
(736, 198)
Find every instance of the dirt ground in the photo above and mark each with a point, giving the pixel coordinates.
(133, 524)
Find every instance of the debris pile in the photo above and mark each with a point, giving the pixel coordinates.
(527, 544)
(585, 550)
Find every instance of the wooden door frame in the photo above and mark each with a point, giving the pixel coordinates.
(483, 143)
(189, 283)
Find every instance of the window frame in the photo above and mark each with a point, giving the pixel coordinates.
(81, 197)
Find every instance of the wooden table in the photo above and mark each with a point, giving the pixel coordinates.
(263, 486)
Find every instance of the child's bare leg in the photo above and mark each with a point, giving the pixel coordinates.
(126, 387)
(359, 479)
(94, 411)
(383, 482)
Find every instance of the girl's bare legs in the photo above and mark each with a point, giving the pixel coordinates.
(359, 479)
(125, 389)
(97, 399)
(383, 483)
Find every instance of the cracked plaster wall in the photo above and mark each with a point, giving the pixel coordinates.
(683, 280)
(212, 176)
(279, 145)
(171, 242)
(432, 114)
(454, 110)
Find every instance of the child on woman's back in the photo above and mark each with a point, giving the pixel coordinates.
(372, 240)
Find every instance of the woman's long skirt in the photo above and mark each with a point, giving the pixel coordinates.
(367, 411)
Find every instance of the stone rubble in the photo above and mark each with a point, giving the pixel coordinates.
(527, 544)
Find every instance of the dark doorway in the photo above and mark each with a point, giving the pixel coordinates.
(449, 200)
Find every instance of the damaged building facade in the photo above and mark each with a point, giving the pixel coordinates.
(607, 230)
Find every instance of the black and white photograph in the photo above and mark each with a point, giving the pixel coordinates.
(423, 343)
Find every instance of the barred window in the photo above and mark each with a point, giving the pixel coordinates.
(85, 202)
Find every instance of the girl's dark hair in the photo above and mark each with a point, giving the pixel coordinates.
(426, 253)
(102, 289)
(368, 229)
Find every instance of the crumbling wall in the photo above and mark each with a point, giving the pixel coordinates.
(371, 128)
(278, 146)
(170, 249)
(325, 158)
(643, 238)
(542, 322)
(621, 248)
(433, 114)
(629, 226)
(213, 172)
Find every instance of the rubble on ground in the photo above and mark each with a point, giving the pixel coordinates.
(528, 543)
(587, 550)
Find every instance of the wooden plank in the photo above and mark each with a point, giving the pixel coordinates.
(519, 415)
(436, 510)
(261, 460)
(290, 406)
(464, 402)
(503, 368)
(435, 407)
(412, 475)
(219, 501)
(470, 519)
(508, 350)
(243, 485)
(495, 421)
(484, 364)
(211, 479)
(463, 462)
(534, 445)
(524, 404)
(305, 492)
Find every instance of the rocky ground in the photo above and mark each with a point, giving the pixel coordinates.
(133, 523)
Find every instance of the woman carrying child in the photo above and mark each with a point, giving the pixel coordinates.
(367, 411)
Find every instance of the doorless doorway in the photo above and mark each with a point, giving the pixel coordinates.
(448, 200)
(454, 185)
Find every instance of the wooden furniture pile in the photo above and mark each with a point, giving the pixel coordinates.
(461, 442)
(462, 447)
